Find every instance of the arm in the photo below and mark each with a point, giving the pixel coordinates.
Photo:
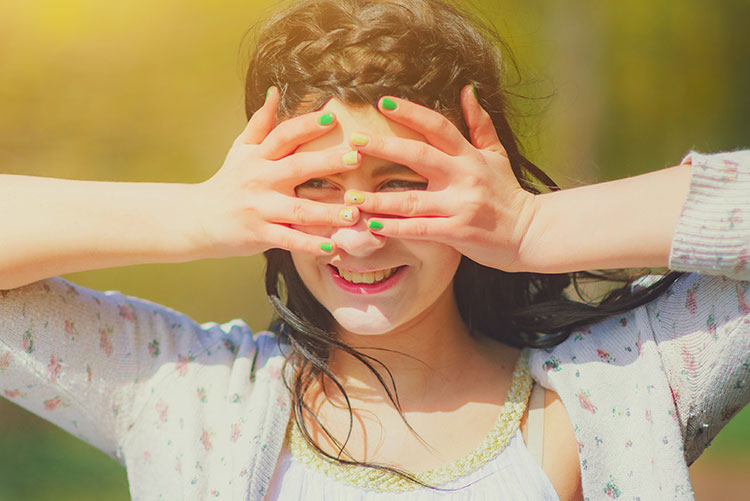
(626, 223)
(53, 226)
(474, 203)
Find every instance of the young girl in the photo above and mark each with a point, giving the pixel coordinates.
(419, 279)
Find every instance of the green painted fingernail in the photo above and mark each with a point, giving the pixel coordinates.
(326, 247)
(268, 92)
(474, 90)
(374, 225)
(388, 104)
(326, 119)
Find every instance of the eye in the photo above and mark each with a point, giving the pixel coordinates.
(316, 184)
(402, 185)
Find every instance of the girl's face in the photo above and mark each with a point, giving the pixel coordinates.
(372, 284)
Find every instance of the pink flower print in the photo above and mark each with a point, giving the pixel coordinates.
(274, 372)
(639, 345)
(206, 440)
(742, 303)
(88, 373)
(182, 364)
(161, 410)
(215, 493)
(5, 361)
(691, 303)
(202, 394)
(105, 343)
(127, 312)
(553, 364)
(628, 444)
(52, 403)
(688, 359)
(28, 341)
(711, 326)
(611, 490)
(742, 261)
(624, 321)
(235, 398)
(11, 393)
(146, 456)
(580, 445)
(178, 467)
(648, 416)
(605, 355)
(70, 329)
(235, 432)
(728, 412)
(729, 170)
(584, 399)
(54, 368)
(735, 217)
(229, 345)
(153, 348)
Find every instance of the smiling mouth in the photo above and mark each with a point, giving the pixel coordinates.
(366, 277)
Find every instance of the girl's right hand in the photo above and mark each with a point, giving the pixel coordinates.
(249, 205)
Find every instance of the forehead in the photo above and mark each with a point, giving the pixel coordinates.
(350, 119)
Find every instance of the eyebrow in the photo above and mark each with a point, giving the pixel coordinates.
(389, 169)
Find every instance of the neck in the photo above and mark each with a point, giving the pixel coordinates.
(427, 354)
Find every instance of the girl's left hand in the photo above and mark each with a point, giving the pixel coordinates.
(473, 201)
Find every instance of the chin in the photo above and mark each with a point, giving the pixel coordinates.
(366, 322)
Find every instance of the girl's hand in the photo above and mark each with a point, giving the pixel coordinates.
(248, 206)
(473, 201)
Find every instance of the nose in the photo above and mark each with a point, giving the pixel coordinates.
(357, 240)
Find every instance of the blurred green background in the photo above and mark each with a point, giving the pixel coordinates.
(152, 91)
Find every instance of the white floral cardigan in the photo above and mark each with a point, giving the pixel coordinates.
(199, 411)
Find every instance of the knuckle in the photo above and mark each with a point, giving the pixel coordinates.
(301, 214)
(420, 229)
(411, 204)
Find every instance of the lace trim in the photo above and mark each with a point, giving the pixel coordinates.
(492, 445)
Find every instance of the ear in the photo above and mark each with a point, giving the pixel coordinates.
(481, 129)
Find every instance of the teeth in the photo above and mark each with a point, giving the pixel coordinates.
(367, 277)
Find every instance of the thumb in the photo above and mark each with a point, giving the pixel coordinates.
(262, 121)
(481, 129)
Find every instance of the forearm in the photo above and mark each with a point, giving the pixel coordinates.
(51, 226)
(628, 223)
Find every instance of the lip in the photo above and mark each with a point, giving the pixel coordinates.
(366, 289)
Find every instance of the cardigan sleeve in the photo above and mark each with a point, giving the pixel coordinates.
(702, 323)
(89, 361)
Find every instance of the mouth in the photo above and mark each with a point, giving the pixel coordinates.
(366, 282)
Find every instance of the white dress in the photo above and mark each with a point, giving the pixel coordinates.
(513, 474)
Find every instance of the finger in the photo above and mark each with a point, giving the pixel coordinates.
(424, 159)
(411, 203)
(481, 129)
(299, 167)
(283, 237)
(290, 134)
(261, 123)
(303, 212)
(438, 229)
(436, 128)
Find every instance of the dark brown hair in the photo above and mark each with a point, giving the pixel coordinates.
(425, 51)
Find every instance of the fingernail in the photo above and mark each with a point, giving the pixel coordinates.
(268, 92)
(474, 90)
(374, 225)
(347, 214)
(325, 119)
(351, 157)
(388, 104)
(359, 139)
(326, 247)
(354, 197)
